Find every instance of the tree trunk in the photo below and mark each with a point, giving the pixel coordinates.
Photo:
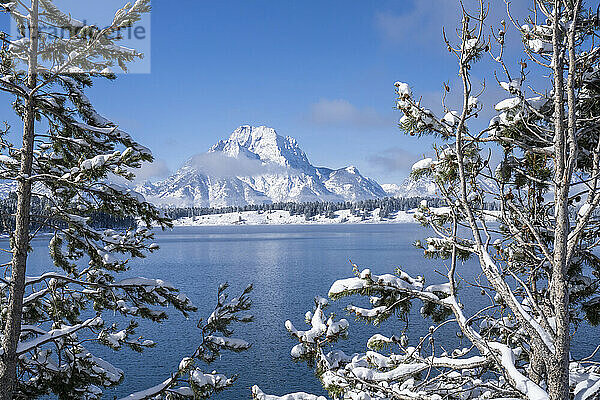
(537, 370)
(558, 366)
(20, 247)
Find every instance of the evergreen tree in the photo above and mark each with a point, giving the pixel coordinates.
(64, 170)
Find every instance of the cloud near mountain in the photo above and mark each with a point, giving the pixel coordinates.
(220, 165)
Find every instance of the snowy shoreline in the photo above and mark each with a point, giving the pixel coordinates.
(282, 217)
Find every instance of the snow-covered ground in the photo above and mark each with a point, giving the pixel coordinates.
(280, 217)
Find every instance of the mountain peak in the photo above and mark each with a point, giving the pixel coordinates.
(257, 165)
(352, 169)
(247, 136)
(265, 144)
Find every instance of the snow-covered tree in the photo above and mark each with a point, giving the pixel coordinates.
(70, 157)
(189, 381)
(539, 269)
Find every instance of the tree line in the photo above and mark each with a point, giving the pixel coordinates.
(42, 220)
(361, 208)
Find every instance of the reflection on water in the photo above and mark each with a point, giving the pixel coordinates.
(288, 266)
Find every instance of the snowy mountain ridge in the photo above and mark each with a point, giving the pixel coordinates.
(257, 165)
(422, 187)
(426, 187)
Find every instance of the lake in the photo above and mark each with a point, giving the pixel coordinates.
(288, 266)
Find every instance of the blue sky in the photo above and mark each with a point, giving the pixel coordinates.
(322, 72)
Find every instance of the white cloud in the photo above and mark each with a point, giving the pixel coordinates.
(393, 159)
(148, 171)
(219, 165)
(343, 113)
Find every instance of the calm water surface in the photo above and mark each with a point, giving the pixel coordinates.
(288, 266)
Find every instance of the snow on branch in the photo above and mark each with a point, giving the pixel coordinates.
(57, 334)
(189, 380)
(258, 394)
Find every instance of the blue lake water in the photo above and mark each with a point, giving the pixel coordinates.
(288, 266)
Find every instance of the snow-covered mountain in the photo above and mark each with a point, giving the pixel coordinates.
(422, 187)
(425, 187)
(257, 165)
